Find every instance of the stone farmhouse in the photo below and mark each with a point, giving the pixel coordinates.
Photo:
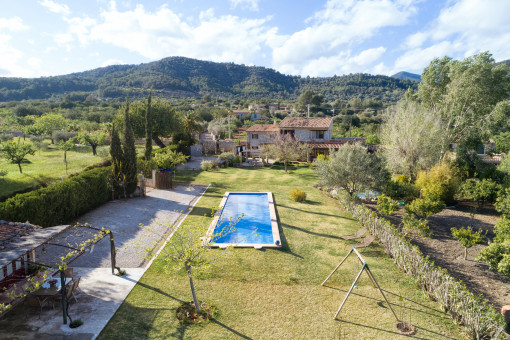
(317, 132)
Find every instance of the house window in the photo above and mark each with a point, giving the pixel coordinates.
(318, 134)
(255, 147)
(255, 136)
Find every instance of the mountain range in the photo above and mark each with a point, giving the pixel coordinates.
(179, 76)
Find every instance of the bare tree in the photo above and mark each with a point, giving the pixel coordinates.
(287, 148)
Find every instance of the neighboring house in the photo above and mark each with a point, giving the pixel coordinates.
(334, 144)
(252, 115)
(308, 129)
(259, 135)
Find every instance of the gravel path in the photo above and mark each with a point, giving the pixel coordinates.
(158, 212)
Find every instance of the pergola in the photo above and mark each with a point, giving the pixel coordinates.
(54, 249)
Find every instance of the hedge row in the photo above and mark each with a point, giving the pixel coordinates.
(61, 202)
(473, 312)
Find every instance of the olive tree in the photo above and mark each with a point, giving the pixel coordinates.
(352, 168)
(413, 137)
(469, 96)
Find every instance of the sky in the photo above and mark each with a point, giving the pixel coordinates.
(297, 37)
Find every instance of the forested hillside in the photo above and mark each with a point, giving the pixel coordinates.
(178, 76)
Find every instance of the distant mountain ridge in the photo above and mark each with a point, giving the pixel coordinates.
(407, 75)
(179, 76)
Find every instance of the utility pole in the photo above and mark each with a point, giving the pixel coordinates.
(229, 125)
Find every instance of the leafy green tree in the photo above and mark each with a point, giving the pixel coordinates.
(148, 128)
(481, 191)
(441, 182)
(17, 151)
(49, 122)
(353, 169)
(413, 137)
(502, 141)
(129, 160)
(467, 237)
(503, 202)
(165, 120)
(466, 95)
(309, 97)
(94, 139)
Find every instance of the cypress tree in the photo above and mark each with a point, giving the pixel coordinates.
(148, 129)
(129, 162)
(117, 159)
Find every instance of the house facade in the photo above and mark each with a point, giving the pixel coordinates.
(308, 129)
(259, 135)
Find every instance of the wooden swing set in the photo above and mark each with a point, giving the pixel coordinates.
(365, 268)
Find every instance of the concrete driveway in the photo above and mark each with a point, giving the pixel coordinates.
(101, 293)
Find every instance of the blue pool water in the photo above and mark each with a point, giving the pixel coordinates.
(254, 225)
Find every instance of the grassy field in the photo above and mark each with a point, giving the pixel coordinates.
(276, 294)
(45, 167)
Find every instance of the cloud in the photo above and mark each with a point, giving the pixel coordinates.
(461, 29)
(162, 33)
(10, 58)
(341, 25)
(112, 62)
(12, 24)
(54, 7)
(249, 4)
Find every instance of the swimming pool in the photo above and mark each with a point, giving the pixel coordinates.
(253, 217)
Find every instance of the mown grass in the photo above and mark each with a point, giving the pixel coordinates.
(276, 294)
(44, 168)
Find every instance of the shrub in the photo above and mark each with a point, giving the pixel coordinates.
(503, 202)
(169, 159)
(60, 202)
(467, 237)
(207, 165)
(425, 208)
(145, 167)
(64, 136)
(504, 265)
(493, 254)
(297, 195)
(440, 182)
(4, 137)
(227, 157)
(412, 225)
(481, 191)
(401, 190)
(76, 323)
(237, 160)
(385, 205)
(502, 230)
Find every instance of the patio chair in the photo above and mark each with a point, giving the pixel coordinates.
(367, 241)
(68, 273)
(37, 302)
(359, 234)
(70, 291)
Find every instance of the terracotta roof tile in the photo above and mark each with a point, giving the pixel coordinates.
(306, 123)
(263, 128)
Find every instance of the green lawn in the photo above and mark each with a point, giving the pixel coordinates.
(44, 167)
(276, 294)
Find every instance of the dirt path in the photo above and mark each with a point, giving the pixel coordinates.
(448, 253)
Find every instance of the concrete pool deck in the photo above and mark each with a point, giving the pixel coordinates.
(102, 293)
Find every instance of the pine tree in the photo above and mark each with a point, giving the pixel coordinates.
(148, 129)
(129, 161)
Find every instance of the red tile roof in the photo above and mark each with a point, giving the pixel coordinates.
(306, 123)
(263, 128)
(335, 143)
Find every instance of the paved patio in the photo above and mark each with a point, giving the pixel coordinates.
(101, 293)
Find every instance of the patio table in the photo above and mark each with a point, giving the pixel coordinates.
(47, 290)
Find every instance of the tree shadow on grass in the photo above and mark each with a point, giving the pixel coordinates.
(316, 213)
(311, 232)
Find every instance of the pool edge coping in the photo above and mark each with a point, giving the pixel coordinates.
(272, 216)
